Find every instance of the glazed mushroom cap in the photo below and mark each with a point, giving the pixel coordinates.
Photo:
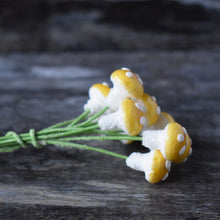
(97, 93)
(175, 144)
(153, 164)
(133, 118)
(171, 141)
(128, 118)
(99, 88)
(150, 107)
(188, 150)
(162, 121)
(168, 117)
(159, 168)
(129, 81)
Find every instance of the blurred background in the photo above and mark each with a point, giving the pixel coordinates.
(68, 25)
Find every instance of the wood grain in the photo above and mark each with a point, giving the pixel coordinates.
(38, 90)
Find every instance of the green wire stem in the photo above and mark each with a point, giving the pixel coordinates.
(80, 118)
(83, 124)
(70, 122)
(9, 149)
(85, 147)
(62, 133)
(103, 138)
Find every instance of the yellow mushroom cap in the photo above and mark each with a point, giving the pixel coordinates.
(159, 167)
(175, 143)
(129, 81)
(151, 109)
(98, 94)
(133, 118)
(102, 88)
(153, 164)
(163, 119)
(186, 153)
(168, 117)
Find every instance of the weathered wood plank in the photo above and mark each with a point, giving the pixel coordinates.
(37, 90)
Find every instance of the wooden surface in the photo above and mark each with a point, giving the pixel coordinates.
(39, 90)
(179, 62)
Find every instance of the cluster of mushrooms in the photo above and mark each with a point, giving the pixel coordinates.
(137, 113)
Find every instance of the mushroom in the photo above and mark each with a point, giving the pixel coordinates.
(97, 93)
(171, 141)
(126, 84)
(163, 119)
(128, 118)
(153, 164)
(148, 105)
(188, 151)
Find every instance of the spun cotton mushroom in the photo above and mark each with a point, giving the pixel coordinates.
(149, 106)
(128, 118)
(188, 150)
(163, 119)
(97, 93)
(126, 84)
(153, 164)
(171, 141)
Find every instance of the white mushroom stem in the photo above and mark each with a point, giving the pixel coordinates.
(172, 142)
(97, 93)
(116, 95)
(93, 105)
(109, 122)
(140, 161)
(153, 139)
(128, 118)
(153, 164)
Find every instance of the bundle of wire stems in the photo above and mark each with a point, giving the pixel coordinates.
(83, 128)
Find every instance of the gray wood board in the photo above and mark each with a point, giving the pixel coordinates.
(37, 90)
